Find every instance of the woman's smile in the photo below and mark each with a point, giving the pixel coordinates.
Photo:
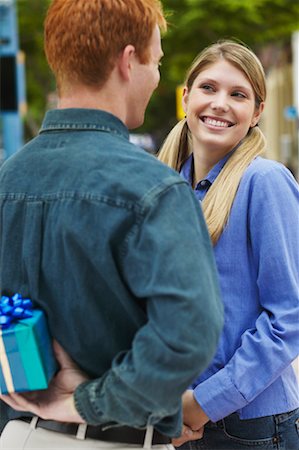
(215, 122)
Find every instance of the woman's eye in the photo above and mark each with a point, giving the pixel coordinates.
(207, 87)
(238, 94)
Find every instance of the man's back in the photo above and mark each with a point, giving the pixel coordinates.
(90, 230)
(111, 244)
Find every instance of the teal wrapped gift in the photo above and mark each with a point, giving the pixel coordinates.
(27, 361)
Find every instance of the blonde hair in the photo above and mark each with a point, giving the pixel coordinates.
(177, 147)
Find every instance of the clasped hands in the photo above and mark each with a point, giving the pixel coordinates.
(57, 402)
(194, 420)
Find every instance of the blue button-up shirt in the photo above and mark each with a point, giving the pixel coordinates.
(107, 241)
(257, 257)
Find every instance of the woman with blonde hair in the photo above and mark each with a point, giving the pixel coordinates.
(248, 396)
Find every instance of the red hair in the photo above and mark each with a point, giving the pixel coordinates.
(83, 38)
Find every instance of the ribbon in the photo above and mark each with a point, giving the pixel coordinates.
(5, 366)
(13, 309)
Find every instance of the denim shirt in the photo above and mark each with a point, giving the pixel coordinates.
(257, 258)
(112, 245)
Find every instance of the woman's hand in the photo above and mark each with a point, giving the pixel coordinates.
(56, 402)
(187, 435)
(193, 415)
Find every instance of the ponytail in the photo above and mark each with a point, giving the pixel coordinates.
(177, 146)
(219, 199)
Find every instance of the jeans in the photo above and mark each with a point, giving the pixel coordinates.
(279, 432)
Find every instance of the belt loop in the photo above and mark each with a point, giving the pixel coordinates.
(33, 422)
(148, 437)
(81, 432)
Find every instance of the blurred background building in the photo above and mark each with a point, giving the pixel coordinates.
(280, 118)
(12, 82)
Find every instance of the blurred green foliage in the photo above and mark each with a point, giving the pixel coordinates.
(39, 80)
(193, 24)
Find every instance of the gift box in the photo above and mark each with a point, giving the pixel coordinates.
(27, 361)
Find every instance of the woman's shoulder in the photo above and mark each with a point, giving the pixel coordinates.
(265, 178)
(261, 167)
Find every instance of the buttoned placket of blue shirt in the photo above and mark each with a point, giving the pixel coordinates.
(203, 185)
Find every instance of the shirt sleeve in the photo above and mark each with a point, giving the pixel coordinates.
(168, 265)
(272, 344)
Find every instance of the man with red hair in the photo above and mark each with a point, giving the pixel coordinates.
(108, 241)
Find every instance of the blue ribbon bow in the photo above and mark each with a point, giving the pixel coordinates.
(13, 309)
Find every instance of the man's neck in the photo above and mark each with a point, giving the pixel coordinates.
(87, 98)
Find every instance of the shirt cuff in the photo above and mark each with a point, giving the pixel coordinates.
(218, 396)
(84, 405)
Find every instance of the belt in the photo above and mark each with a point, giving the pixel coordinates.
(123, 434)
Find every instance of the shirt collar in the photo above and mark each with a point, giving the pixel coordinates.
(83, 119)
(187, 170)
(214, 172)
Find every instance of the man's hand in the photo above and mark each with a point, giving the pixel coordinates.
(187, 435)
(56, 402)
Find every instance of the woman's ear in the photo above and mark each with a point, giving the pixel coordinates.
(257, 114)
(185, 98)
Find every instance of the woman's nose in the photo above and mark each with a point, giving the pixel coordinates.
(220, 102)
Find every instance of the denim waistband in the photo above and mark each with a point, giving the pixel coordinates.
(234, 420)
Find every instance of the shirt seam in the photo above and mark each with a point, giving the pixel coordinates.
(76, 196)
(146, 203)
(81, 127)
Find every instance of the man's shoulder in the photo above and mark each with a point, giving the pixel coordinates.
(144, 173)
(89, 165)
(13, 163)
(129, 163)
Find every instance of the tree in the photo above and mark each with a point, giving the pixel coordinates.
(39, 81)
(193, 24)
